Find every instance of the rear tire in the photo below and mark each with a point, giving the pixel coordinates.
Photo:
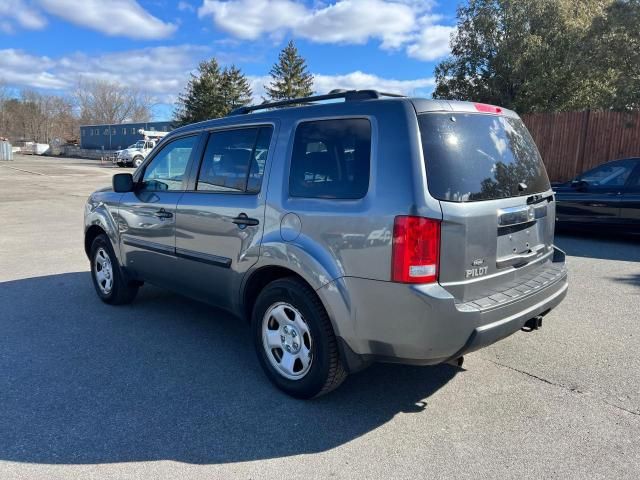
(108, 280)
(289, 321)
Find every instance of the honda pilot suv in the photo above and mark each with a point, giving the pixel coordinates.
(369, 228)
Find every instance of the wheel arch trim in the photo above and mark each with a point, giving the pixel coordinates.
(332, 292)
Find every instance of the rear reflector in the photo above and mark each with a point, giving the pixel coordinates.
(486, 108)
(416, 250)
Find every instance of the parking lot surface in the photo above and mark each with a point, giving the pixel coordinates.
(170, 388)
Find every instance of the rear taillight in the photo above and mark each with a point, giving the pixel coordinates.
(486, 108)
(416, 250)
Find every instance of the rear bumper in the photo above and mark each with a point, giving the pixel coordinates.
(490, 333)
(423, 325)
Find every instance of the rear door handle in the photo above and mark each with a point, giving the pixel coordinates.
(162, 214)
(243, 220)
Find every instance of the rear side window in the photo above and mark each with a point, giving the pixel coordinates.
(614, 174)
(331, 159)
(234, 160)
(472, 157)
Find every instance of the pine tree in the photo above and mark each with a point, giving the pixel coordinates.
(235, 89)
(289, 76)
(212, 93)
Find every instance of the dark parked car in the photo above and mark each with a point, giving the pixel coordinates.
(608, 195)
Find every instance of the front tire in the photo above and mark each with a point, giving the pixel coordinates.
(294, 340)
(108, 280)
(137, 162)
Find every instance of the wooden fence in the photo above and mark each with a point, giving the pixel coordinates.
(572, 142)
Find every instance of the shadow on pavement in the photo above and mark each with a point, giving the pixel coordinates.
(599, 245)
(633, 279)
(165, 378)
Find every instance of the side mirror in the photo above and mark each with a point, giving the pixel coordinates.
(579, 185)
(123, 183)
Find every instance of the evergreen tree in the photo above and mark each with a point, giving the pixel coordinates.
(211, 93)
(235, 89)
(289, 76)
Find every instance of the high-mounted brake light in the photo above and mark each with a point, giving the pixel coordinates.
(486, 108)
(416, 250)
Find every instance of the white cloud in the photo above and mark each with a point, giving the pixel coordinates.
(356, 21)
(249, 19)
(21, 69)
(186, 7)
(163, 71)
(354, 81)
(116, 17)
(432, 43)
(359, 81)
(18, 12)
(394, 23)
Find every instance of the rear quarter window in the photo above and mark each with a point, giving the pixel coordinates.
(331, 159)
(473, 157)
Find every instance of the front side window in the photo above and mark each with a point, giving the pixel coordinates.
(614, 174)
(331, 159)
(167, 169)
(234, 160)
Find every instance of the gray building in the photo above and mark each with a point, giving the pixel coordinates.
(117, 136)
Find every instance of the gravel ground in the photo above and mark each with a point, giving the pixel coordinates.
(169, 388)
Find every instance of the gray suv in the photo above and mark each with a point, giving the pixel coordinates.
(369, 228)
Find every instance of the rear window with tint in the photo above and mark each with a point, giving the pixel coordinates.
(472, 157)
(331, 159)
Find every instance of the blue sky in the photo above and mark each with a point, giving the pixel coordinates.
(154, 44)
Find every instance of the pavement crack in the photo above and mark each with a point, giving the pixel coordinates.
(572, 389)
(25, 171)
(632, 412)
(564, 387)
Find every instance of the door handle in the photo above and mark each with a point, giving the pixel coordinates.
(162, 214)
(243, 221)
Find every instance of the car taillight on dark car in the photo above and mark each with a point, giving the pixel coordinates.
(416, 250)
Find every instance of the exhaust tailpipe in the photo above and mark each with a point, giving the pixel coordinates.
(456, 362)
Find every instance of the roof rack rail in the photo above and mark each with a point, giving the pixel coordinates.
(348, 95)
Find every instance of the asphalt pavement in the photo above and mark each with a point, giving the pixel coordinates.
(169, 388)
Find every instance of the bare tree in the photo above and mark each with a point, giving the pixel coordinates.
(4, 95)
(102, 102)
(37, 117)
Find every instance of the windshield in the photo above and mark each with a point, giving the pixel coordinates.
(471, 157)
(138, 144)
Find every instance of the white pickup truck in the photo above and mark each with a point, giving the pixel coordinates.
(134, 155)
